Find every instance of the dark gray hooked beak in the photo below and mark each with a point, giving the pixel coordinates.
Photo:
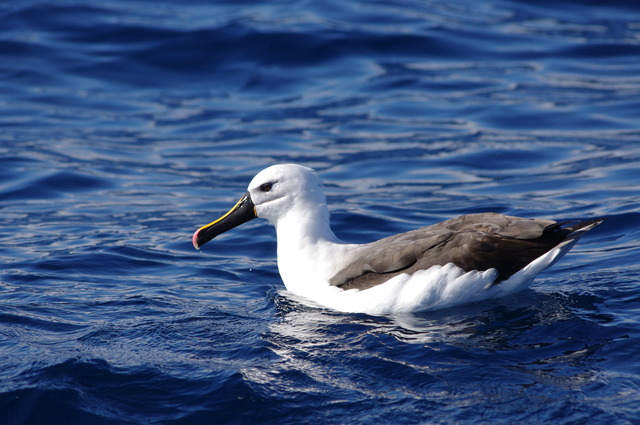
(242, 212)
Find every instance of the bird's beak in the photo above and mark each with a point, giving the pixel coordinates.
(242, 212)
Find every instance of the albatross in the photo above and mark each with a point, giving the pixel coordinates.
(465, 259)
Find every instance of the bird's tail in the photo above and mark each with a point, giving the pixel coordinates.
(576, 229)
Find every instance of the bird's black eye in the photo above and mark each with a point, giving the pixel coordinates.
(266, 187)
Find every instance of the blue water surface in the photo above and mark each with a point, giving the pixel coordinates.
(125, 125)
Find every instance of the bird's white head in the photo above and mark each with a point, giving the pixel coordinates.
(287, 192)
(281, 189)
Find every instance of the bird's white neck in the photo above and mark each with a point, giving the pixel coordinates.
(306, 245)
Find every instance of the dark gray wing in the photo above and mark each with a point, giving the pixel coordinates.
(472, 242)
(377, 260)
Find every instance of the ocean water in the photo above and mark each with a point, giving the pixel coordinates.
(126, 125)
